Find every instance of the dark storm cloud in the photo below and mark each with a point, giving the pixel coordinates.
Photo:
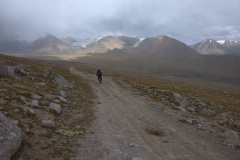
(189, 20)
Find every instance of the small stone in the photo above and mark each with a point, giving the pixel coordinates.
(23, 99)
(203, 111)
(77, 126)
(62, 99)
(132, 145)
(3, 90)
(57, 101)
(29, 111)
(54, 106)
(62, 93)
(48, 123)
(34, 103)
(35, 96)
(137, 158)
(2, 101)
(16, 110)
(202, 104)
(41, 84)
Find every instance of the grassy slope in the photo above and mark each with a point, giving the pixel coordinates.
(39, 142)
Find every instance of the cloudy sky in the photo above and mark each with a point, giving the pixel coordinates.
(189, 21)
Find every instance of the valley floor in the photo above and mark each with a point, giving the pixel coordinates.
(129, 126)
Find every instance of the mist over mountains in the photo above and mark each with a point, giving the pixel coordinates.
(154, 46)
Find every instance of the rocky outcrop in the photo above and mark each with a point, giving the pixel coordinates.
(60, 81)
(10, 138)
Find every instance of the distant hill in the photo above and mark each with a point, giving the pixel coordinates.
(220, 47)
(162, 47)
(14, 46)
(50, 44)
(111, 42)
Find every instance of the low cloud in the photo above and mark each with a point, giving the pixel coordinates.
(189, 21)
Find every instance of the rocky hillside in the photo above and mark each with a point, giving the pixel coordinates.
(221, 47)
(44, 106)
(109, 43)
(161, 46)
(50, 44)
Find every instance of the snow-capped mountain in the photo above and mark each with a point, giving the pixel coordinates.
(219, 47)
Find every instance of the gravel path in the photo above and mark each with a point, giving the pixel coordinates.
(128, 126)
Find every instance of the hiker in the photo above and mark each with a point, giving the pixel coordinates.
(99, 75)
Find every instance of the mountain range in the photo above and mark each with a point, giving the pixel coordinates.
(158, 46)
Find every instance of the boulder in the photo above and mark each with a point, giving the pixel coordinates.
(6, 70)
(48, 123)
(21, 69)
(60, 80)
(10, 138)
(55, 107)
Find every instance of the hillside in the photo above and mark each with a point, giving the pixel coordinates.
(49, 109)
(109, 43)
(220, 47)
(50, 44)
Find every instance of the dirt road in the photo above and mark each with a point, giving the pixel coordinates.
(128, 126)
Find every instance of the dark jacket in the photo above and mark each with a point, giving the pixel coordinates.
(99, 73)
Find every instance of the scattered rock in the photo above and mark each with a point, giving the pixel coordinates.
(41, 84)
(46, 73)
(57, 101)
(62, 99)
(232, 134)
(10, 137)
(34, 103)
(21, 69)
(3, 90)
(2, 101)
(23, 99)
(62, 93)
(35, 96)
(137, 158)
(29, 111)
(48, 123)
(132, 145)
(16, 110)
(60, 80)
(55, 107)
(203, 111)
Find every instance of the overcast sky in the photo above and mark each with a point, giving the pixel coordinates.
(189, 21)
